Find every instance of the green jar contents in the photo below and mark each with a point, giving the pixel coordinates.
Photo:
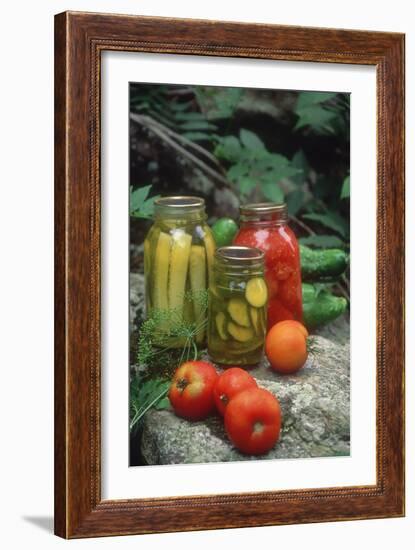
(237, 306)
(178, 266)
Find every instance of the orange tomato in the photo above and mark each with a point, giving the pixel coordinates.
(293, 323)
(286, 348)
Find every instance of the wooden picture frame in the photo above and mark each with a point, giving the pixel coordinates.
(79, 40)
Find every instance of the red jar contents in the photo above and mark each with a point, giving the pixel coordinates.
(264, 226)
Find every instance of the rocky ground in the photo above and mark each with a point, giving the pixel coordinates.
(315, 405)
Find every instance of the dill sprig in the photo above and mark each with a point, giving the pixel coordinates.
(166, 340)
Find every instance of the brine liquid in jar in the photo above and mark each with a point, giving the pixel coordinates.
(237, 306)
(265, 226)
(178, 264)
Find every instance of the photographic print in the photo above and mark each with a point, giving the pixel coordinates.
(239, 274)
(203, 259)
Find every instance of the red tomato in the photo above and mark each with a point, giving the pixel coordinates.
(191, 391)
(229, 384)
(253, 421)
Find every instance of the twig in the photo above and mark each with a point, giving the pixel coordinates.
(167, 135)
(303, 225)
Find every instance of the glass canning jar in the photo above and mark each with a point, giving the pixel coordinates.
(178, 263)
(265, 225)
(237, 306)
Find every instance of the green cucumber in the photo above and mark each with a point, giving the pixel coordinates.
(322, 264)
(320, 307)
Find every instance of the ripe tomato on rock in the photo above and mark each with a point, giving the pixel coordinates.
(295, 324)
(229, 384)
(253, 421)
(286, 348)
(191, 391)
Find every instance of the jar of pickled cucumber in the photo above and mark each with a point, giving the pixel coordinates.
(178, 265)
(237, 306)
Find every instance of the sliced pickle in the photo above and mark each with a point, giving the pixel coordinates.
(241, 334)
(256, 292)
(254, 313)
(220, 320)
(238, 310)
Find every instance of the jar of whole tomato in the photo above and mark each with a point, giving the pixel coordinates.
(237, 306)
(265, 226)
(178, 264)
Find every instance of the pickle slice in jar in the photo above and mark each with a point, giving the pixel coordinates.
(220, 321)
(198, 284)
(161, 271)
(253, 311)
(241, 334)
(256, 292)
(238, 310)
(179, 264)
(258, 321)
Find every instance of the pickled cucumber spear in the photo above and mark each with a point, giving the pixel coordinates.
(198, 284)
(161, 271)
(210, 251)
(179, 265)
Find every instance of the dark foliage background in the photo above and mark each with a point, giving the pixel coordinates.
(233, 145)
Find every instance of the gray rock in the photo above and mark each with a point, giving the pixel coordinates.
(137, 300)
(315, 406)
(337, 330)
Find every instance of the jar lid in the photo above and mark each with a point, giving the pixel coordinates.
(178, 205)
(260, 211)
(240, 256)
(180, 201)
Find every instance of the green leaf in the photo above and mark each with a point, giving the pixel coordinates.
(250, 140)
(197, 136)
(331, 220)
(197, 125)
(322, 241)
(308, 99)
(146, 394)
(180, 107)
(300, 162)
(138, 196)
(317, 117)
(162, 404)
(192, 116)
(140, 205)
(345, 192)
(294, 201)
(246, 185)
(228, 148)
(272, 192)
(237, 171)
(216, 102)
